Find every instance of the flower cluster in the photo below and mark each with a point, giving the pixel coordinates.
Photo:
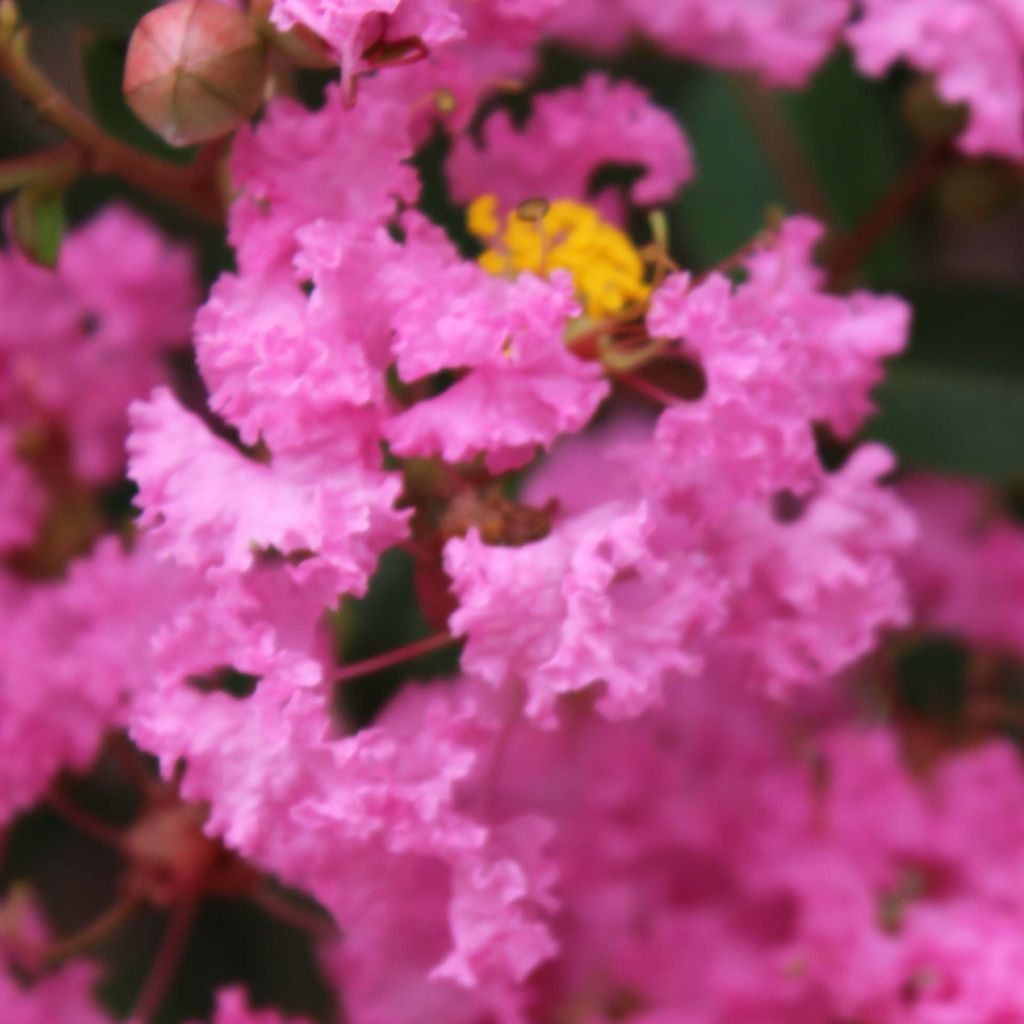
(644, 794)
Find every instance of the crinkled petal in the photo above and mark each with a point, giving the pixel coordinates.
(570, 134)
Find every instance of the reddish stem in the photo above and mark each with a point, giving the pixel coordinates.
(382, 661)
(106, 924)
(83, 820)
(644, 387)
(100, 151)
(849, 252)
(783, 148)
(168, 959)
(316, 922)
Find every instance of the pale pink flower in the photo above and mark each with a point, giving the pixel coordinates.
(353, 26)
(589, 606)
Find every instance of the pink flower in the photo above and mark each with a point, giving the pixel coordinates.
(71, 662)
(570, 134)
(781, 330)
(422, 306)
(783, 40)
(520, 386)
(233, 1008)
(297, 166)
(22, 499)
(300, 373)
(375, 827)
(63, 996)
(76, 346)
(591, 605)
(966, 573)
(354, 27)
(975, 50)
(819, 593)
(211, 507)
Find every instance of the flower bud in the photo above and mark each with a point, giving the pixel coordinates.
(195, 70)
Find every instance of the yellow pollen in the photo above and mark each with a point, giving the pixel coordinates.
(606, 268)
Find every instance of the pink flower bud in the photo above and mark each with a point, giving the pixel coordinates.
(195, 70)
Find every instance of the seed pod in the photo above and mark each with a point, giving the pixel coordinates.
(195, 70)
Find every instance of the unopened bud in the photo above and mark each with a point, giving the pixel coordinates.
(195, 70)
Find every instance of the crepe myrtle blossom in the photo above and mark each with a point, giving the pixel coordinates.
(636, 505)
(974, 49)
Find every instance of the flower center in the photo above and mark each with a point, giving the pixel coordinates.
(538, 236)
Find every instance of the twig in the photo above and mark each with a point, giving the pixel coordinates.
(382, 661)
(82, 819)
(168, 959)
(783, 148)
(316, 922)
(99, 151)
(62, 163)
(648, 389)
(107, 923)
(848, 253)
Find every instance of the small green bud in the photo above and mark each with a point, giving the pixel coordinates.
(195, 70)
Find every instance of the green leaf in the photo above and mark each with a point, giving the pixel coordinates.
(955, 402)
(103, 66)
(969, 328)
(853, 138)
(735, 187)
(110, 14)
(939, 418)
(39, 225)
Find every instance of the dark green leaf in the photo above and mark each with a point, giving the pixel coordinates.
(940, 418)
(108, 14)
(852, 137)
(39, 225)
(726, 205)
(955, 402)
(971, 328)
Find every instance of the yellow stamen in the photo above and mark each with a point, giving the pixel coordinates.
(606, 268)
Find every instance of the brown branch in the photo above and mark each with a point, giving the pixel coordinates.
(82, 819)
(849, 253)
(106, 924)
(382, 661)
(317, 922)
(168, 959)
(57, 165)
(783, 149)
(97, 150)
